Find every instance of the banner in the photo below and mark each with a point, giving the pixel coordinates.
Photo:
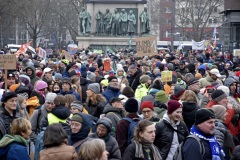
(198, 45)
(42, 53)
(236, 52)
(23, 48)
(72, 48)
(146, 46)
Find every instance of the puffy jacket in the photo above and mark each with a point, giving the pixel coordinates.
(165, 133)
(71, 92)
(84, 84)
(141, 91)
(59, 152)
(65, 74)
(95, 110)
(134, 80)
(204, 82)
(33, 77)
(111, 146)
(110, 93)
(189, 110)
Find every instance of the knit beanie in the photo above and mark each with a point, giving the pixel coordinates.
(94, 87)
(92, 69)
(58, 76)
(203, 115)
(172, 106)
(131, 105)
(218, 95)
(40, 85)
(7, 96)
(24, 61)
(225, 89)
(157, 85)
(76, 117)
(219, 111)
(147, 104)
(110, 78)
(178, 91)
(50, 97)
(90, 75)
(77, 104)
(106, 122)
(161, 96)
(14, 87)
(66, 80)
(181, 83)
(128, 92)
(198, 75)
(144, 78)
(104, 82)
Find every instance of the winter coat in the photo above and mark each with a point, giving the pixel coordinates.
(110, 93)
(189, 110)
(122, 132)
(165, 135)
(33, 77)
(71, 91)
(182, 71)
(63, 152)
(95, 110)
(160, 109)
(7, 118)
(114, 114)
(134, 80)
(39, 96)
(84, 85)
(111, 146)
(141, 91)
(204, 82)
(83, 133)
(65, 74)
(35, 120)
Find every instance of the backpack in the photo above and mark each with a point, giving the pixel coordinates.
(179, 152)
(39, 144)
(132, 125)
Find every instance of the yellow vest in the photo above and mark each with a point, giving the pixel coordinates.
(54, 119)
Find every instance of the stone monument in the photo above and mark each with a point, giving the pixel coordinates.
(112, 23)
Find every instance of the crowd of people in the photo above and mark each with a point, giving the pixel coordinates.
(116, 106)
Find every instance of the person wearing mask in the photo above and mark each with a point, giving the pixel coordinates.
(103, 130)
(112, 89)
(170, 131)
(14, 145)
(142, 146)
(40, 114)
(203, 129)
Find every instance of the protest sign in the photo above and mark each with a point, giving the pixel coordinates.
(146, 46)
(42, 53)
(72, 48)
(68, 56)
(166, 76)
(236, 52)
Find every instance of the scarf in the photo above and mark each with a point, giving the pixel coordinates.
(8, 139)
(146, 144)
(215, 146)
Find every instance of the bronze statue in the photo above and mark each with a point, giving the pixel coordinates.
(85, 21)
(144, 19)
(100, 23)
(115, 23)
(107, 22)
(131, 23)
(123, 22)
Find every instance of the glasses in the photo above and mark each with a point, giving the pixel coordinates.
(147, 111)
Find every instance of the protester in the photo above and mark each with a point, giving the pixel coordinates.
(147, 110)
(113, 89)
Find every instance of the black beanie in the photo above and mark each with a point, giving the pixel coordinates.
(218, 95)
(131, 105)
(7, 96)
(110, 78)
(203, 115)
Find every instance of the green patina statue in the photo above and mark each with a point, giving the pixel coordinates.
(85, 21)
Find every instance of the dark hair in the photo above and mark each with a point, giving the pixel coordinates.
(54, 135)
(59, 100)
(161, 67)
(141, 128)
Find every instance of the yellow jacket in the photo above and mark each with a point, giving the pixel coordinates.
(141, 91)
(54, 119)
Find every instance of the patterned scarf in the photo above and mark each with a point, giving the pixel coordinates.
(215, 146)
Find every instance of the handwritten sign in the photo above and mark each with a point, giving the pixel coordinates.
(166, 76)
(68, 56)
(236, 52)
(146, 46)
(8, 61)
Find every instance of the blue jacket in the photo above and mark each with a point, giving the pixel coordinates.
(71, 92)
(65, 74)
(111, 92)
(14, 151)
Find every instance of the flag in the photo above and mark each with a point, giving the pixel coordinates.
(72, 48)
(23, 48)
(214, 36)
(42, 53)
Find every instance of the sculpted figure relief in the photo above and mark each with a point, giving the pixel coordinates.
(123, 22)
(85, 21)
(115, 23)
(144, 19)
(131, 23)
(107, 22)
(99, 22)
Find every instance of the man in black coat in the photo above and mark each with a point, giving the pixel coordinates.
(134, 77)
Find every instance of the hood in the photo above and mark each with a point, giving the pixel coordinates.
(61, 112)
(69, 92)
(230, 80)
(33, 70)
(202, 67)
(106, 122)
(84, 131)
(83, 81)
(189, 106)
(109, 108)
(158, 104)
(167, 119)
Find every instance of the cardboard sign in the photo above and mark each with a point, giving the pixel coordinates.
(8, 61)
(236, 52)
(166, 76)
(68, 56)
(146, 46)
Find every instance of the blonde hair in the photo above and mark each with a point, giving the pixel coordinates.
(92, 150)
(20, 101)
(20, 126)
(95, 98)
(141, 126)
(189, 96)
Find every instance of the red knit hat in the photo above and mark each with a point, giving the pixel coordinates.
(147, 104)
(172, 106)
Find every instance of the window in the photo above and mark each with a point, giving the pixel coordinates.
(187, 21)
(167, 10)
(215, 9)
(210, 21)
(215, 20)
